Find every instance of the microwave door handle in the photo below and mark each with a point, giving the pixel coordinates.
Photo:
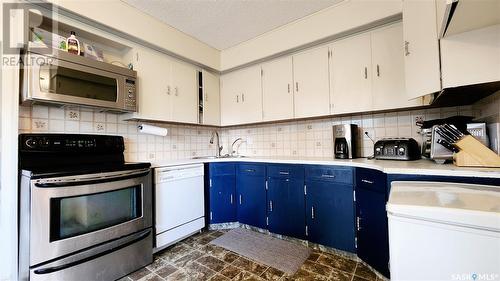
(90, 255)
(91, 180)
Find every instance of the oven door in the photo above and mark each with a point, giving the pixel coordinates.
(70, 214)
(57, 81)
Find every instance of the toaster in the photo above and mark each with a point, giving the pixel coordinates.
(397, 149)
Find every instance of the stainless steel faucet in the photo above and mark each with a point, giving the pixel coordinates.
(219, 147)
(235, 151)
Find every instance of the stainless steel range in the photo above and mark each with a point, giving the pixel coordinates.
(85, 214)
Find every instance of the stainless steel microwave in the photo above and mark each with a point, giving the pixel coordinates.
(68, 79)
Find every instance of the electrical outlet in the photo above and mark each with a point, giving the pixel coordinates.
(419, 119)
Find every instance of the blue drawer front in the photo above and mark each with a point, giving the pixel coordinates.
(285, 171)
(252, 169)
(330, 173)
(371, 179)
(222, 169)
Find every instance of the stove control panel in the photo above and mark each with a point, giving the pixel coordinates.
(70, 142)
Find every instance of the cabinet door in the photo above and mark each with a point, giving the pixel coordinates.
(185, 93)
(211, 100)
(277, 89)
(330, 214)
(222, 198)
(230, 98)
(388, 87)
(421, 54)
(310, 72)
(251, 95)
(372, 229)
(153, 77)
(351, 75)
(251, 196)
(286, 206)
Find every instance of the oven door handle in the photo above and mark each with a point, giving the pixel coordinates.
(72, 181)
(85, 257)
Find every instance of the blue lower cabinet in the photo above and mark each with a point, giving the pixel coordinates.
(222, 193)
(330, 210)
(371, 219)
(286, 200)
(251, 194)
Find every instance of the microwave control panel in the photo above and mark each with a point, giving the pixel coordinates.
(130, 95)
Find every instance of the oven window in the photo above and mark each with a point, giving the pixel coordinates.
(72, 216)
(71, 82)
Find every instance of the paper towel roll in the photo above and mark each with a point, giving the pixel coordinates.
(152, 130)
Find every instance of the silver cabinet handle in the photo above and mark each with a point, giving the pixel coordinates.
(297, 86)
(312, 212)
(237, 98)
(231, 199)
(284, 173)
(288, 85)
(328, 176)
(407, 48)
(378, 70)
(242, 97)
(358, 225)
(240, 199)
(366, 72)
(168, 90)
(270, 206)
(176, 91)
(367, 181)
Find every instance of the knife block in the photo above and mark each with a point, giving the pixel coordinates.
(475, 154)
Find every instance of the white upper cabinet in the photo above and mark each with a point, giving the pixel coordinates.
(211, 100)
(241, 96)
(184, 89)
(277, 89)
(153, 79)
(251, 95)
(167, 89)
(388, 82)
(351, 75)
(311, 83)
(471, 57)
(421, 54)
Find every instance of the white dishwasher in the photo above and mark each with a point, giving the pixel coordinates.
(179, 203)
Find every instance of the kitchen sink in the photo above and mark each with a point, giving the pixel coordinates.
(217, 157)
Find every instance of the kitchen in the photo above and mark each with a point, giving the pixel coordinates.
(328, 140)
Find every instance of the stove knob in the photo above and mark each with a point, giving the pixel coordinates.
(31, 143)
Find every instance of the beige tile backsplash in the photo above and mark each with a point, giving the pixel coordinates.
(293, 138)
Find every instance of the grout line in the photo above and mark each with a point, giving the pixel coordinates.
(354, 273)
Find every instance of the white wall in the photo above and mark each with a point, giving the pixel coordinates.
(121, 16)
(331, 21)
(9, 101)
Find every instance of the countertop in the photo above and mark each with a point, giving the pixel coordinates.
(417, 167)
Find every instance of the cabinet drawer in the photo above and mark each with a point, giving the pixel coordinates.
(330, 173)
(252, 169)
(370, 179)
(285, 171)
(221, 169)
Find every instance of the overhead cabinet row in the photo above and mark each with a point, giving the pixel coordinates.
(170, 90)
(361, 73)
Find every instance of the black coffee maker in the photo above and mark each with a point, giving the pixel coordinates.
(345, 141)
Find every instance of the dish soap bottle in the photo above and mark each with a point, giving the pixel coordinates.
(72, 44)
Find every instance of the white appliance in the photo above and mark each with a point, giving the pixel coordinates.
(179, 203)
(444, 231)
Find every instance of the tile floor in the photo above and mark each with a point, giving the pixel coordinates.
(196, 259)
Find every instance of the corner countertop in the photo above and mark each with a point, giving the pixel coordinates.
(417, 167)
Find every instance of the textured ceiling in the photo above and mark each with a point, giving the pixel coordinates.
(226, 23)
